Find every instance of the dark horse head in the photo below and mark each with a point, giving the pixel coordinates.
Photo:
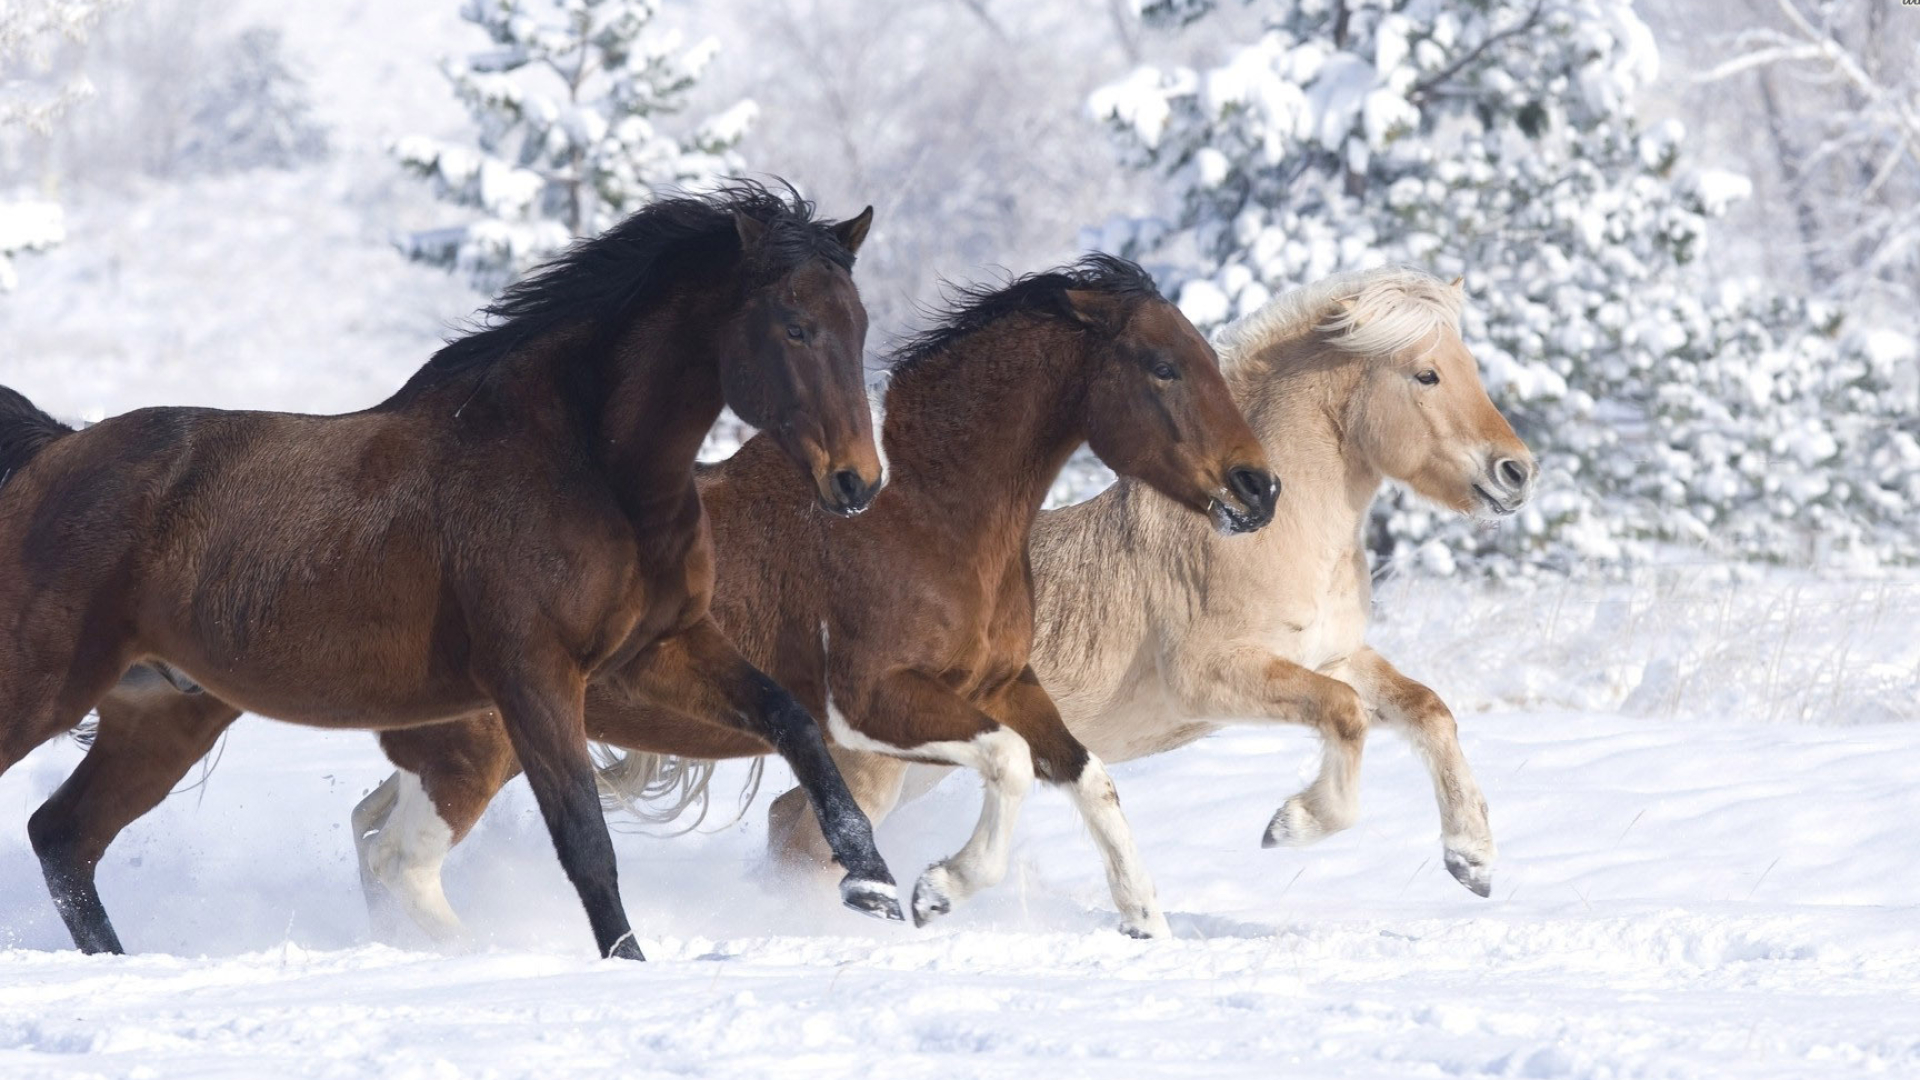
(765, 296)
(791, 357)
(1160, 410)
(1152, 402)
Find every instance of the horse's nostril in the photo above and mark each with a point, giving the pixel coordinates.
(849, 488)
(1513, 473)
(1254, 487)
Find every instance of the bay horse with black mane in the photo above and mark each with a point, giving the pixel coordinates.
(518, 519)
(909, 627)
(1152, 633)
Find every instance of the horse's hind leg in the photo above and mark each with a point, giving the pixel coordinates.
(144, 745)
(1062, 760)
(1426, 721)
(447, 775)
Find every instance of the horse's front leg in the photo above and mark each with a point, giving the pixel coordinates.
(1063, 761)
(1420, 715)
(794, 839)
(700, 674)
(543, 706)
(1251, 683)
(908, 714)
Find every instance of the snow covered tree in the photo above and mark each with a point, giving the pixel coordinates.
(251, 111)
(32, 97)
(568, 105)
(1498, 140)
(1850, 153)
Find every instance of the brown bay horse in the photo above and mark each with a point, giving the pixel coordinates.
(1151, 633)
(518, 519)
(909, 627)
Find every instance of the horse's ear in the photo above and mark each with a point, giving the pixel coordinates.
(1455, 284)
(753, 232)
(853, 232)
(1092, 308)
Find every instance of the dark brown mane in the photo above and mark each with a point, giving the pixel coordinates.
(969, 308)
(603, 280)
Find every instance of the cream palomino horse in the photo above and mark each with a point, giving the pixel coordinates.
(1153, 631)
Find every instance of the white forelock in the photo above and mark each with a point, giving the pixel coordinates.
(1368, 312)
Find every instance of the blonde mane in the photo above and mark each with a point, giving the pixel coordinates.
(1364, 312)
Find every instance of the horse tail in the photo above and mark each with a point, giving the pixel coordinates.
(24, 432)
(662, 788)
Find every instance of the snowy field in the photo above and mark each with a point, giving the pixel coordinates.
(1705, 782)
(1708, 869)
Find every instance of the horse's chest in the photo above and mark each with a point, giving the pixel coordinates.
(983, 638)
(1319, 631)
(666, 588)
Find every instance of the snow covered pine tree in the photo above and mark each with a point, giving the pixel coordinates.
(1498, 140)
(566, 104)
(32, 98)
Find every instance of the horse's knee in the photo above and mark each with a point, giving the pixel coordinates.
(1342, 718)
(1006, 761)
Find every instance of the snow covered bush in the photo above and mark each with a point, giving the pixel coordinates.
(32, 96)
(251, 111)
(26, 225)
(1498, 140)
(568, 104)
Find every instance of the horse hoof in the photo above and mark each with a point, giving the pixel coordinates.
(930, 897)
(1292, 826)
(625, 949)
(876, 898)
(1470, 871)
(1147, 927)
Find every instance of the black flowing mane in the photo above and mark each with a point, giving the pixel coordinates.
(600, 281)
(973, 307)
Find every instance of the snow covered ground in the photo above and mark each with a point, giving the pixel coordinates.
(1708, 869)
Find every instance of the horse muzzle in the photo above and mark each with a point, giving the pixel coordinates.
(845, 493)
(1247, 501)
(1506, 485)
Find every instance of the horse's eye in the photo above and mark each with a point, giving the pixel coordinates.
(1429, 377)
(1164, 371)
(796, 332)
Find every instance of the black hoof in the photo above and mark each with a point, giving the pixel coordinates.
(878, 899)
(625, 949)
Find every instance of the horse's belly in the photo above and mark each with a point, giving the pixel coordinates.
(1136, 724)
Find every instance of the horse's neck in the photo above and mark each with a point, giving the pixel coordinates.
(979, 431)
(637, 409)
(660, 398)
(1301, 409)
